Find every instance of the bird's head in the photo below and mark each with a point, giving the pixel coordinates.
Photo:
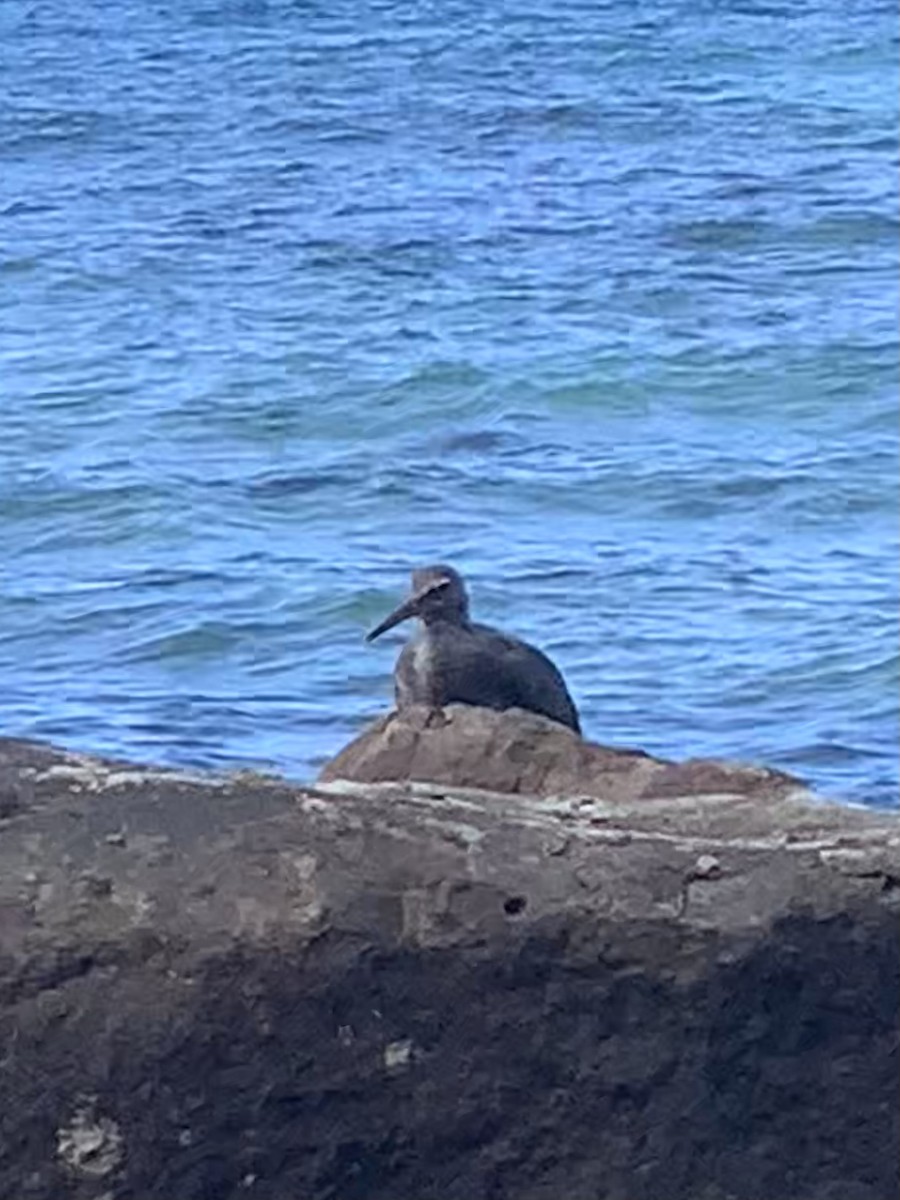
(438, 594)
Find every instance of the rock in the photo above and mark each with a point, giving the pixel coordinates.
(220, 988)
(516, 751)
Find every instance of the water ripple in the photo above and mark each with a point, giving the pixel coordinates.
(597, 301)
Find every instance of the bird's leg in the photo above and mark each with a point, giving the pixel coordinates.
(432, 701)
(432, 712)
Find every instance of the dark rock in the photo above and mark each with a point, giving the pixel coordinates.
(517, 751)
(214, 989)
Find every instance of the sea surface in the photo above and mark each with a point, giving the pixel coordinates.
(596, 300)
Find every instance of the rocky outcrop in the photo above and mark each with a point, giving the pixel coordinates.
(518, 751)
(228, 988)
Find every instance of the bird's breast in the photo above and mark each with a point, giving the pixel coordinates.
(423, 657)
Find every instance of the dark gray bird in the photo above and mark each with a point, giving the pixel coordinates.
(451, 660)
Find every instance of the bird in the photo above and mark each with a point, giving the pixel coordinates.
(453, 660)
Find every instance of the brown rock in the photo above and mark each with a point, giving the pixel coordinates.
(516, 751)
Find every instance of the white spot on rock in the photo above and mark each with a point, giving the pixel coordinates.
(90, 1145)
(707, 866)
(398, 1055)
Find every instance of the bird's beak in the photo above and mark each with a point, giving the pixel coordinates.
(409, 608)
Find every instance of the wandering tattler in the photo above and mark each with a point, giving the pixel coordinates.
(451, 660)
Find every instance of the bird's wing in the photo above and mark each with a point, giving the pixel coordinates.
(528, 679)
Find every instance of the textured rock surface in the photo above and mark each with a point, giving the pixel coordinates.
(520, 752)
(220, 989)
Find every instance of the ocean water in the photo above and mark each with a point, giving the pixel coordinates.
(597, 301)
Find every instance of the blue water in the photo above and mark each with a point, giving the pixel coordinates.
(597, 301)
